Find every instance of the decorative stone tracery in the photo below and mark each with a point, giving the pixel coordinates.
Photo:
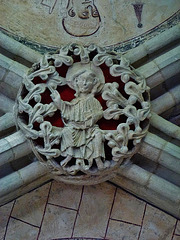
(85, 111)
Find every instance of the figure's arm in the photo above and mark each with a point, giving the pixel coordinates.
(98, 111)
(57, 99)
(95, 114)
(98, 115)
(93, 118)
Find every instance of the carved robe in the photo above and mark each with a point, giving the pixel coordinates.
(81, 136)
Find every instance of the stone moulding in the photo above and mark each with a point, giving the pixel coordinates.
(85, 111)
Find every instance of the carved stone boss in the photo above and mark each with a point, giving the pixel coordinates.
(85, 111)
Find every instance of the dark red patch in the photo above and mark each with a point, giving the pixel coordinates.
(55, 120)
(102, 101)
(37, 80)
(62, 70)
(45, 97)
(67, 94)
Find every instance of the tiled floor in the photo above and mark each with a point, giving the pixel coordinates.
(60, 211)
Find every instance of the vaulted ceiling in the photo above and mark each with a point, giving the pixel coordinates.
(154, 172)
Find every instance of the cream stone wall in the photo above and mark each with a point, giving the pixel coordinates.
(49, 22)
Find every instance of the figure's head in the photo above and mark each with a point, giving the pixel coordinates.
(85, 78)
(85, 82)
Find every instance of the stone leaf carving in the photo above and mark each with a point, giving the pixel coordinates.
(80, 149)
(50, 139)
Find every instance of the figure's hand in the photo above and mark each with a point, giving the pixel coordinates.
(93, 118)
(97, 116)
(56, 98)
(88, 123)
(88, 118)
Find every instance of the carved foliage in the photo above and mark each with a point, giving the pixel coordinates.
(130, 108)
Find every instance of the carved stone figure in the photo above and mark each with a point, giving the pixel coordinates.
(81, 137)
(103, 122)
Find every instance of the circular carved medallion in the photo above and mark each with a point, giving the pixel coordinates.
(85, 111)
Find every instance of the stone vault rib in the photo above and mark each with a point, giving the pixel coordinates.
(154, 44)
(18, 48)
(161, 68)
(164, 152)
(166, 101)
(13, 147)
(133, 178)
(149, 187)
(165, 126)
(22, 181)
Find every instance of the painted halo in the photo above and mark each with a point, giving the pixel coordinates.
(122, 97)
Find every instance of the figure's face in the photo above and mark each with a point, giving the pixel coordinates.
(85, 82)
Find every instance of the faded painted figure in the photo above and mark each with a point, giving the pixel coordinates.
(81, 137)
(82, 18)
